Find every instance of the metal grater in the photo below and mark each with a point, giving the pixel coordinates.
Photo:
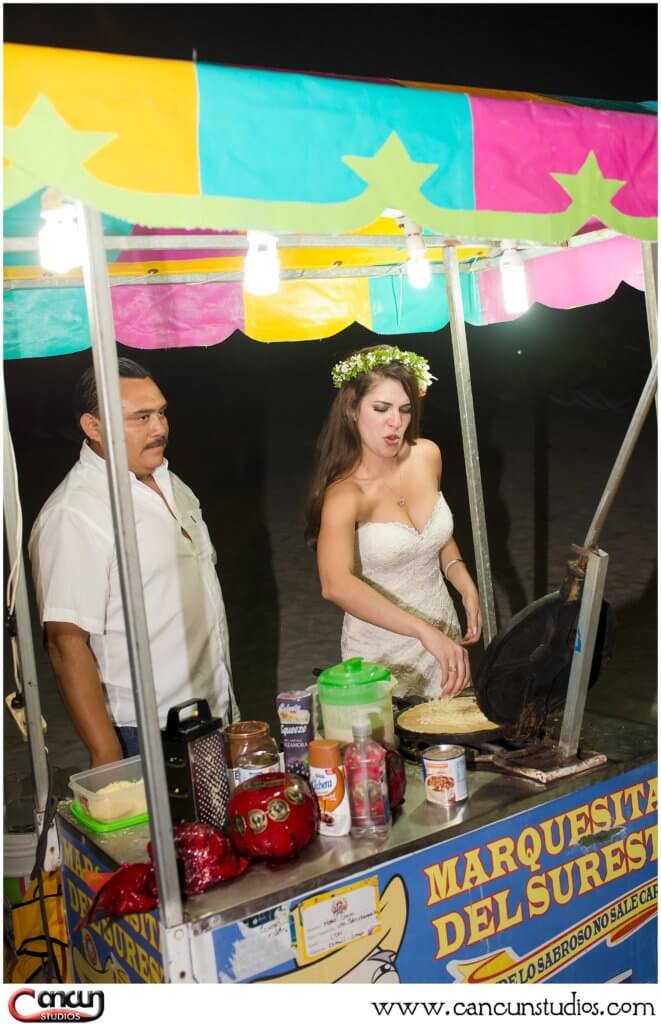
(210, 786)
(195, 765)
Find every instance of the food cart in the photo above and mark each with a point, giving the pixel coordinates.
(546, 872)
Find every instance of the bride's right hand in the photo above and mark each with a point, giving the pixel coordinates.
(452, 658)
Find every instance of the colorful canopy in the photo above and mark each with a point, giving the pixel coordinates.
(177, 146)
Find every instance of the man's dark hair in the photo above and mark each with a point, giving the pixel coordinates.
(85, 398)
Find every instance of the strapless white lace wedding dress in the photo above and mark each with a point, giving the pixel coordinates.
(403, 564)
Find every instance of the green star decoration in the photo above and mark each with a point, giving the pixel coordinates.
(589, 189)
(391, 173)
(45, 150)
(44, 130)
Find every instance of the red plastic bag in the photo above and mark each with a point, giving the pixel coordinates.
(206, 857)
(129, 890)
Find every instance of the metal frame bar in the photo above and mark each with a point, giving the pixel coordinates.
(218, 276)
(26, 243)
(97, 293)
(238, 243)
(622, 459)
(471, 451)
(24, 636)
(649, 252)
(581, 665)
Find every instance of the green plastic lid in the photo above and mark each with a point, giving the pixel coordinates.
(106, 826)
(353, 682)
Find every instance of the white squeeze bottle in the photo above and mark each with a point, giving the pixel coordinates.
(367, 783)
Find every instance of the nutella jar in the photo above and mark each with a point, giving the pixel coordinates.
(243, 738)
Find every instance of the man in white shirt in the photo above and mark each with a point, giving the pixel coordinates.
(74, 565)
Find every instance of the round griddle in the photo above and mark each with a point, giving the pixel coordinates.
(524, 674)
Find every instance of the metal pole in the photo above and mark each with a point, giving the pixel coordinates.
(581, 665)
(622, 460)
(649, 252)
(97, 293)
(24, 630)
(469, 435)
(650, 276)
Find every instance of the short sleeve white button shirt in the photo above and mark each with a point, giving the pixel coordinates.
(74, 564)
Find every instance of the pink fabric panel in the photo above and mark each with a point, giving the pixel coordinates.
(564, 280)
(518, 143)
(176, 315)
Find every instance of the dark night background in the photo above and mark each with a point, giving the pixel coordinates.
(554, 391)
(593, 50)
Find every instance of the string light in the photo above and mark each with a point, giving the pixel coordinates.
(261, 268)
(514, 282)
(60, 242)
(418, 269)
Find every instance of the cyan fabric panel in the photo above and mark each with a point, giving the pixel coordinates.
(470, 294)
(280, 136)
(45, 322)
(397, 308)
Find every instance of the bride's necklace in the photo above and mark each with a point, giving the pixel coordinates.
(401, 500)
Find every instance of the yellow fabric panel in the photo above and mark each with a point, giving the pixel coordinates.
(315, 258)
(381, 226)
(307, 310)
(150, 104)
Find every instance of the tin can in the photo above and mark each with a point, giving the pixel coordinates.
(444, 772)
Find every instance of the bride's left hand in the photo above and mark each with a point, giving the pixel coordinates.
(471, 603)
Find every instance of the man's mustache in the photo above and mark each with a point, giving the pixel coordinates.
(160, 442)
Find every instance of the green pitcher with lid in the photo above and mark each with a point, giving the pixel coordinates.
(352, 689)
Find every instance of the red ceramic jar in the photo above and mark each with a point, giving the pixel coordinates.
(272, 816)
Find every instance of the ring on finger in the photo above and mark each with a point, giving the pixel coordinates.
(452, 668)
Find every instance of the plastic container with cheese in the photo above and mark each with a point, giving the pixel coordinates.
(112, 792)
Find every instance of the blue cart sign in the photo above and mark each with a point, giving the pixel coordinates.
(563, 892)
(121, 950)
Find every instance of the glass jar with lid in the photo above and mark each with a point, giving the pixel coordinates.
(250, 749)
(264, 758)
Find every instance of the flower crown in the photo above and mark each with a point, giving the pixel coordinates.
(365, 362)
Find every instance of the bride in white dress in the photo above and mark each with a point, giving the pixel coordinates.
(383, 530)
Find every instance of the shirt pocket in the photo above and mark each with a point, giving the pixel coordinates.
(196, 529)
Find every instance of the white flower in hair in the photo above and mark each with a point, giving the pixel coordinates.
(364, 362)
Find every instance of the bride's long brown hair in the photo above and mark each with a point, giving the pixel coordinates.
(339, 446)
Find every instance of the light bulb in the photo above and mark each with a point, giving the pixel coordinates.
(60, 244)
(514, 282)
(261, 267)
(418, 269)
